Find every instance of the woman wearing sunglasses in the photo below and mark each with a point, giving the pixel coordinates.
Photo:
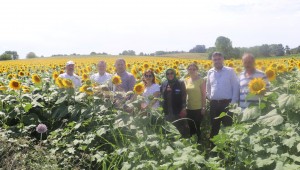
(174, 102)
(151, 92)
(196, 99)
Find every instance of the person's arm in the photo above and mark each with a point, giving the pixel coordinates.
(208, 87)
(203, 96)
(131, 83)
(184, 95)
(235, 87)
(154, 100)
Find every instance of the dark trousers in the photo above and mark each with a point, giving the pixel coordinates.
(216, 108)
(194, 124)
(181, 124)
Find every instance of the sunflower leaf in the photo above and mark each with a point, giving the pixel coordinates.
(250, 113)
(271, 119)
(286, 100)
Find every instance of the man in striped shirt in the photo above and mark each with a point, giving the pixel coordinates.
(246, 76)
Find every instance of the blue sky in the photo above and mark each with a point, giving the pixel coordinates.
(81, 26)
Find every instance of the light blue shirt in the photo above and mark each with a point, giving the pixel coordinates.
(222, 84)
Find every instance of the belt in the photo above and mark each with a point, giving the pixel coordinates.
(222, 101)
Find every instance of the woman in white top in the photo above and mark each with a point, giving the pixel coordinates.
(152, 90)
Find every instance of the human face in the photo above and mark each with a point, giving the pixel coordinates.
(249, 63)
(148, 78)
(218, 61)
(120, 66)
(192, 70)
(170, 75)
(70, 69)
(101, 68)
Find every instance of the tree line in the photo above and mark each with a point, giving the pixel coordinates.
(222, 44)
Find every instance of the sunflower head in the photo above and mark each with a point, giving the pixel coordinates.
(25, 89)
(281, 68)
(271, 74)
(116, 80)
(21, 73)
(257, 86)
(86, 89)
(68, 83)
(84, 76)
(3, 88)
(55, 75)
(36, 79)
(139, 88)
(59, 82)
(14, 84)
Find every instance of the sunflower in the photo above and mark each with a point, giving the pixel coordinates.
(55, 75)
(36, 79)
(14, 84)
(270, 73)
(59, 82)
(86, 89)
(25, 89)
(146, 65)
(257, 86)
(21, 73)
(281, 68)
(3, 88)
(139, 88)
(68, 83)
(84, 76)
(9, 76)
(116, 80)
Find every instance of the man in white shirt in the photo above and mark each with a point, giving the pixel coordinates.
(69, 74)
(222, 89)
(102, 77)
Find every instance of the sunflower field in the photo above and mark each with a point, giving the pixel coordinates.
(47, 124)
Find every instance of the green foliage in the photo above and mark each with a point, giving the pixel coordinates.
(224, 45)
(100, 132)
(5, 56)
(31, 55)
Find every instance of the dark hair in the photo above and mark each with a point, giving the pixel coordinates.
(152, 73)
(193, 64)
(217, 54)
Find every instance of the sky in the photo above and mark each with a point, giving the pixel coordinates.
(48, 27)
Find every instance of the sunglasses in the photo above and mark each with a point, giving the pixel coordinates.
(148, 76)
(170, 73)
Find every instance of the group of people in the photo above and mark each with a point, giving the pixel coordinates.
(184, 101)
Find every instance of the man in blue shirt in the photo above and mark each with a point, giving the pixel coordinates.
(222, 89)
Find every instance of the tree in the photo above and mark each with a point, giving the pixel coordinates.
(5, 56)
(141, 54)
(31, 55)
(224, 45)
(93, 53)
(14, 54)
(198, 49)
(277, 49)
(235, 53)
(264, 50)
(287, 50)
(128, 52)
(210, 50)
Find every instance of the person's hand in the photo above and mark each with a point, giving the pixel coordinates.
(182, 113)
(143, 105)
